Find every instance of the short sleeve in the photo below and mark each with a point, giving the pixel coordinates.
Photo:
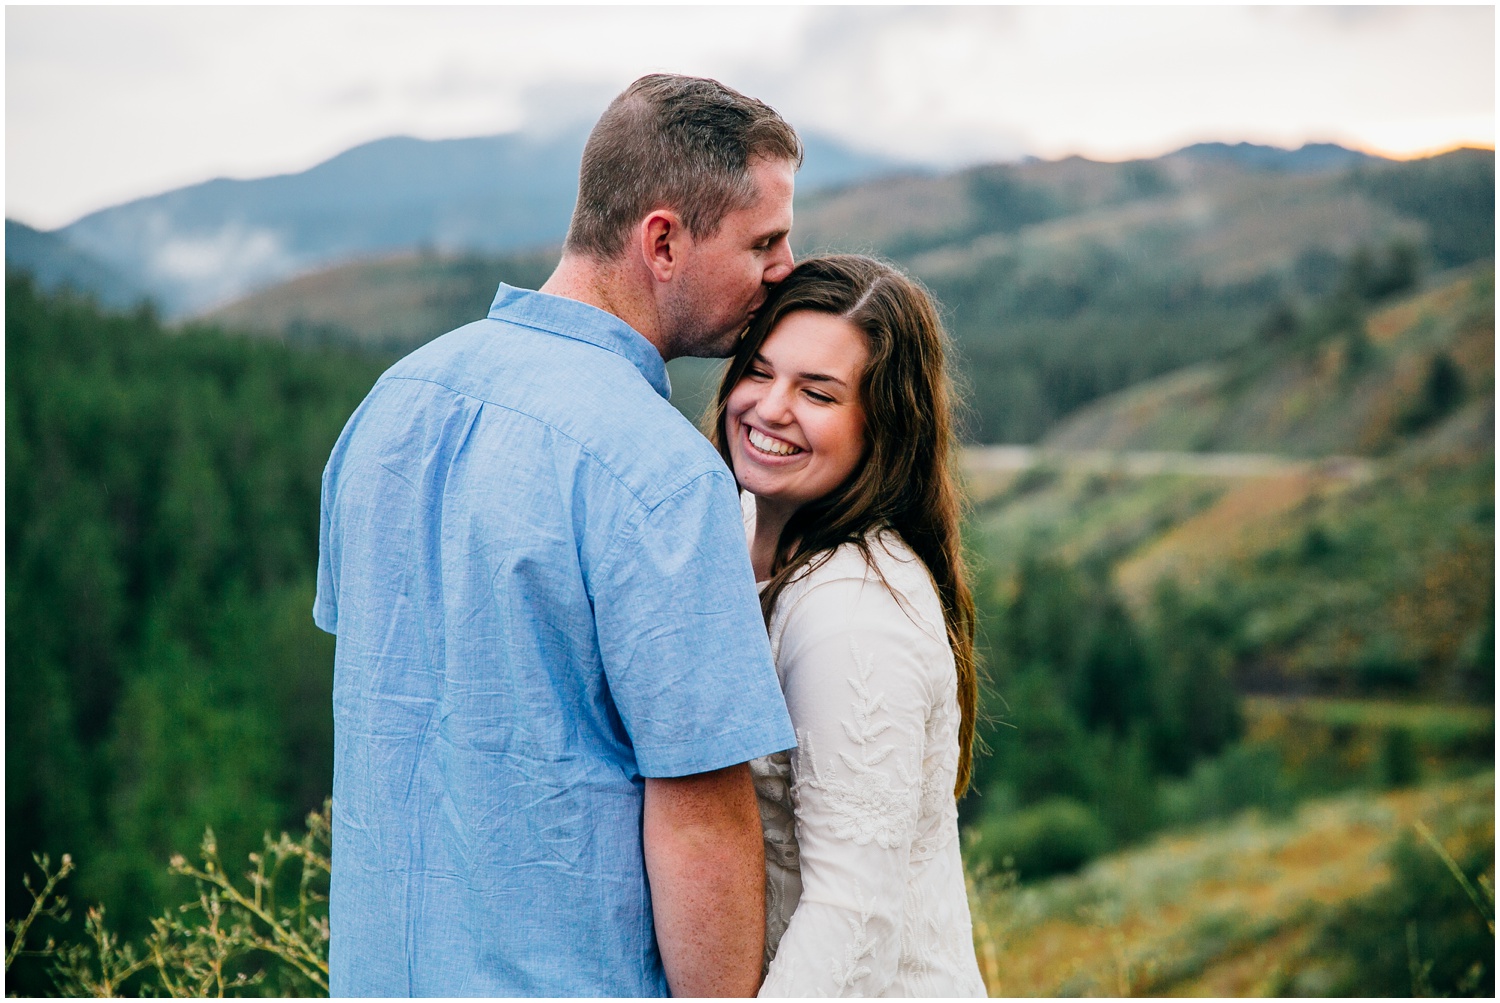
(858, 684)
(683, 644)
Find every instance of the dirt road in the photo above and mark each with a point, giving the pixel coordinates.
(1005, 459)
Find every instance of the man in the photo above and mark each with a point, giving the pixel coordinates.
(551, 666)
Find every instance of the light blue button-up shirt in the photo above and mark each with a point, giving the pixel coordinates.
(538, 578)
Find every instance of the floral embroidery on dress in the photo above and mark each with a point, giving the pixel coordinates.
(850, 968)
(865, 804)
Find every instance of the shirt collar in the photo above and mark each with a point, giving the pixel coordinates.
(581, 322)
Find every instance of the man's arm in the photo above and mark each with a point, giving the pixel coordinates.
(707, 867)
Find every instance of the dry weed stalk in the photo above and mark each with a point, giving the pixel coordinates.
(44, 903)
(220, 951)
(1486, 908)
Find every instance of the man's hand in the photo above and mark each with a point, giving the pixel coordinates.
(707, 867)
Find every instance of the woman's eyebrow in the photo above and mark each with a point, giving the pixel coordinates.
(809, 377)
(822, 378)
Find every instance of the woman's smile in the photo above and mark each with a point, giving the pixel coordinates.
(760, 442)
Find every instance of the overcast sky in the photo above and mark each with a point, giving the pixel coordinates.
(105, 104)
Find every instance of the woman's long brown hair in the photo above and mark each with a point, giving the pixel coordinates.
(908, 479)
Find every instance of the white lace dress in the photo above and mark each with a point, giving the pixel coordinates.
(864, 885)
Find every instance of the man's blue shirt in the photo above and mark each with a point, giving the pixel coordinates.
(537, 573)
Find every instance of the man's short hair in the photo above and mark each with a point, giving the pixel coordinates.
(673, 142)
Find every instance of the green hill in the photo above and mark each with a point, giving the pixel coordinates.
(391, 304)
(1324, 384)
(1068, 280)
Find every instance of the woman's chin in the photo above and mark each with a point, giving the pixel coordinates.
(760, 477)
(756, 486)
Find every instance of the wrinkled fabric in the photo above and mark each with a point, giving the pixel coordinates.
(538, 580)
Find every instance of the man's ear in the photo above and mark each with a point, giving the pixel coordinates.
(662, 238)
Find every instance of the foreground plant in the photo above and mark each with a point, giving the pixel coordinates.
(235, 936)
(45, 903)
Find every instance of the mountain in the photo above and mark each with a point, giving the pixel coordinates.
(1310, 158)
(208, 243)
(1062, 281)
(54, 263)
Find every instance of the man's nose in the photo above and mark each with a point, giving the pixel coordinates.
(781, 264)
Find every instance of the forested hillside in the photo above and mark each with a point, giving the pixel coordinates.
(385, 303)
(1069, 280)
(1343, 552)
(162, 669)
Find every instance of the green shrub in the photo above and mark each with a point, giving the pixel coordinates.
(1046, 751)
(1441, 394)
(1246, 775)
(1380, 667)
(1056, 836)
(1398, 758)
(1126, 795)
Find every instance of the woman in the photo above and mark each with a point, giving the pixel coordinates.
(834, 415)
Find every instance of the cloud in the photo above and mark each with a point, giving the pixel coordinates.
(557, 106)
(104, 104)
(221, 260)
(899, 81)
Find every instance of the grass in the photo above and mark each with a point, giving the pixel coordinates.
(1239, 522)
(1229, 910)
(1327, 742)
(1425, 720)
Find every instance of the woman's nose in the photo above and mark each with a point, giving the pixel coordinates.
(776, 404)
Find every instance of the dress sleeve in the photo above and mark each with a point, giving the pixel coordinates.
(859, 691)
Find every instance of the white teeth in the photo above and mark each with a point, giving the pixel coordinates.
(766, 444)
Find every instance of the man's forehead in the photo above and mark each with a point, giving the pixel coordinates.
(773, 171)
(775, 183)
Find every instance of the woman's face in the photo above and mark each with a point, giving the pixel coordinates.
(794, 423)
